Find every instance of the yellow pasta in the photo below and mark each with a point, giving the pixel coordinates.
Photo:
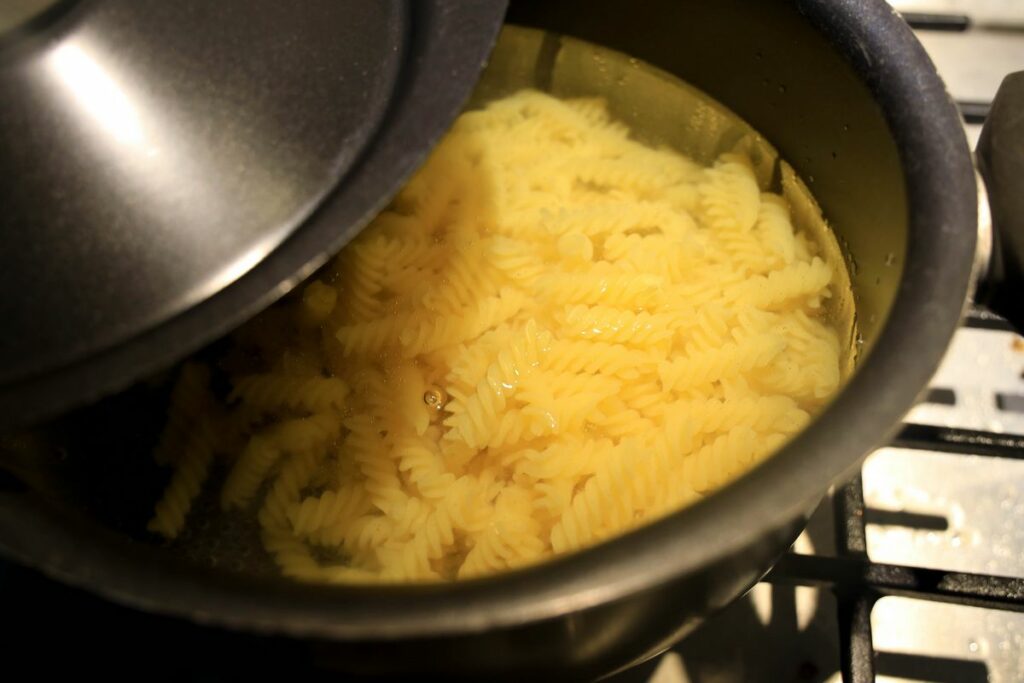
(555, 333)
(189, 441)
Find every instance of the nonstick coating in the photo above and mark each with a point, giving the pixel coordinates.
(849, 97)
(278, 132)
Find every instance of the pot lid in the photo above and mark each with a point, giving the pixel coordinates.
(170, 168)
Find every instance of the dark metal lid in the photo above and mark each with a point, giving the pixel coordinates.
(169, 168)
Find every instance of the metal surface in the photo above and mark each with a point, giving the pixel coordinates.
(974, 59)
(997, 14)
(963, 467)
(854, 78)
(963, 644)
(170, 168)
(152, 156)
(1001, 164)
(15, 14)
(982, 366)
(983, 252)
(880, 609)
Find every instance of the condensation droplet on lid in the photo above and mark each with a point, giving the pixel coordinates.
(973, 646)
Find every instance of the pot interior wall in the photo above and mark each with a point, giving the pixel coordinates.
(766, 62)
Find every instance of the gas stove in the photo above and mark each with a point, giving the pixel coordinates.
(912, 572)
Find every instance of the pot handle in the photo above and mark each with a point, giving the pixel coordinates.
(1001, 163)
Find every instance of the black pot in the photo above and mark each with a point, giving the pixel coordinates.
(849, 97)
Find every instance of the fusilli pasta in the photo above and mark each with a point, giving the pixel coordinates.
(554, 334)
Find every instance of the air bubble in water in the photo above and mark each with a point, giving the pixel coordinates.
(435, 398)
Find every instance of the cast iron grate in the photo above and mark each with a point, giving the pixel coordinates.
(858, 583)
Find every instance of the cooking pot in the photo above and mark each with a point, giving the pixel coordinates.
(849, 97)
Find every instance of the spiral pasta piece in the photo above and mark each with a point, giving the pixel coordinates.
(730, 196)
(318, 300)
(593, 357)
(731, 358)
(265, 449)
(325, 515)
(192, 468)
(188, 403)
(618, 326)
(607, 288)
(442, 331)
(275, 392)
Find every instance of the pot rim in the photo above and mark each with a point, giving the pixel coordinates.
(935, 285)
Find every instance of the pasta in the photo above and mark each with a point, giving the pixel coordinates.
(555, 333)
(189, 441)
